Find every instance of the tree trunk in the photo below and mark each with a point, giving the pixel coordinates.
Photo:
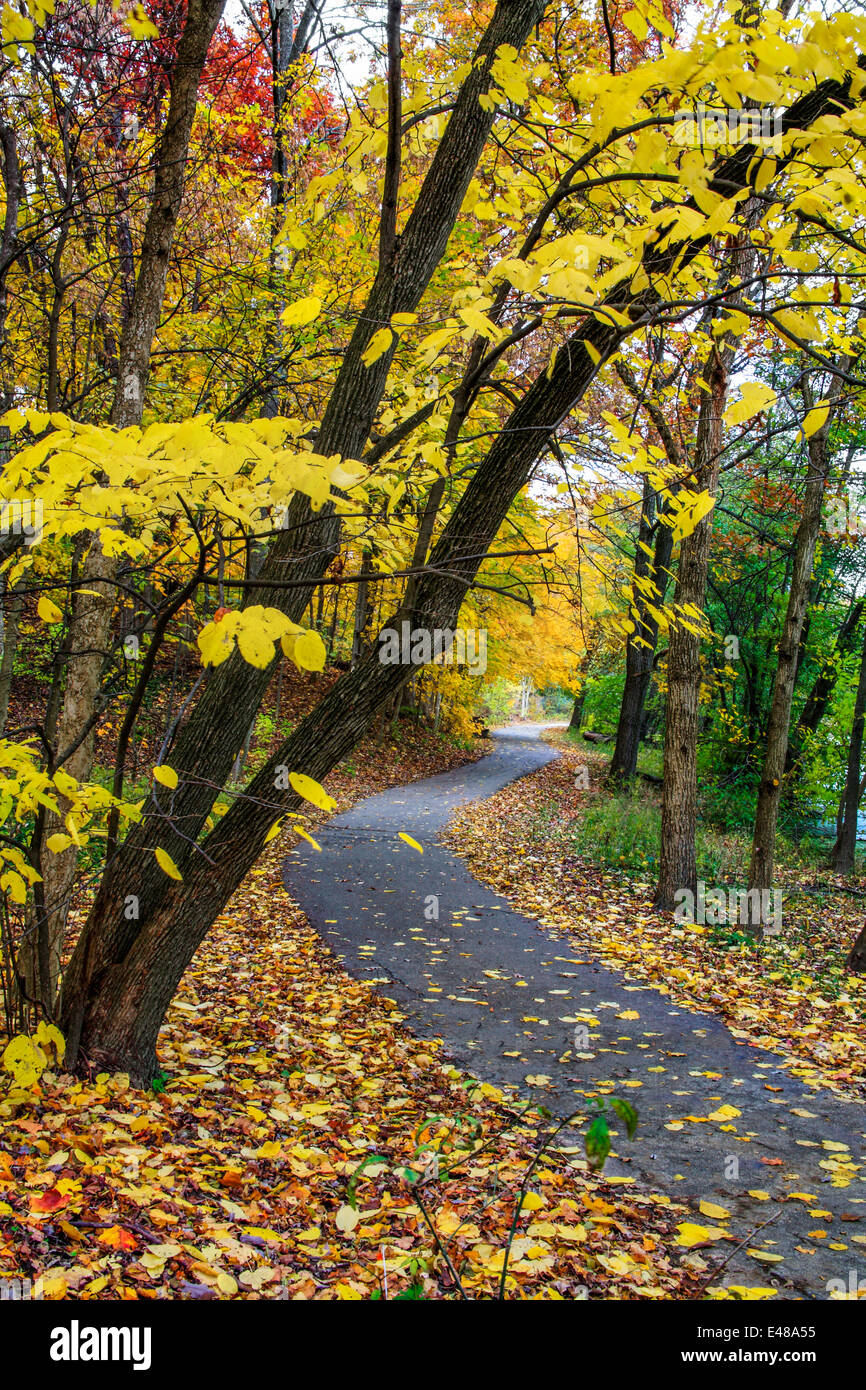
(11, 629)
(819, 696)
(577, 712)
(846, 843)
(776, 747)
(856, 961)
(362, 610)
(677, 860)
(641, 644)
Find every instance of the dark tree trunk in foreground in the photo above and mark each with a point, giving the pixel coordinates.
(125, 970)
(846, 842)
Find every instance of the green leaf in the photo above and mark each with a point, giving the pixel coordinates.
(597, 1143)
(627, 1114)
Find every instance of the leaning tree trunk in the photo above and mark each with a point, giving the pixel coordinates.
(302, 553)
(677, 859)
(846, 842)
(126, 965)
(776, 748)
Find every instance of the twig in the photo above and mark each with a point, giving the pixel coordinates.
(751, 1235)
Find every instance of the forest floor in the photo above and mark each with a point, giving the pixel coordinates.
(302, 1143)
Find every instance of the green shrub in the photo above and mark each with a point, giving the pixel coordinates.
(623, 831)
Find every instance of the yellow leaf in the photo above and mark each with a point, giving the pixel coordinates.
(167, 864)
(691, 510)
(310, 790)
(15, 886)
(710, 1209)
(815, 419)
(24, 1059)
(48, 611)
(690, 1234)
(50, 1039)
(16, 27)
(139, 26)
(532, 1202)
(255, 646)
(765, 1255)
(58, 843)
(347, 1219)
(636, 23)
(793, 326)
(377, 346)
(274, 831)
(226, 1283)
(725, 1112)
(737, 1291)
(304, 836)
(303, 311)
(309, 652)
(409, 841)
(51, 1286)
(755, 396)
(166, 775)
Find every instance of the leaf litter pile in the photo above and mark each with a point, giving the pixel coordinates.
(791, 996)
(301, 1143)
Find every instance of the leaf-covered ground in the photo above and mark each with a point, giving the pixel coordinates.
(791, 996)
(241, 1177)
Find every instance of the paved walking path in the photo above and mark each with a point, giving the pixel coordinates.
(507, 996)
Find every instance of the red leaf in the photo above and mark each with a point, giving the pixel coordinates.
(49, 1201)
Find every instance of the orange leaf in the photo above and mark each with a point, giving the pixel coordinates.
(49, 1201)
(117, 1238)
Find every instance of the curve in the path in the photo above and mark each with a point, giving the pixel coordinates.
(506, 996)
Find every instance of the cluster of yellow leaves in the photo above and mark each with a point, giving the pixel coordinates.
(24, 787)
(256, 630)
(27, 1058)
(19, 30)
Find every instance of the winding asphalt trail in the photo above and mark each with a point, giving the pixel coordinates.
(507, 995)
